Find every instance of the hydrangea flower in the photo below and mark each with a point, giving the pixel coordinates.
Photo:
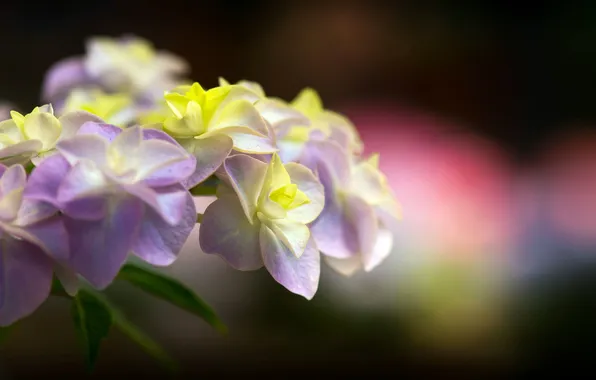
(355, 228)
(128, 64)
(34, 136)
(209, 124)
(120, 192)
(33, 242)
(261, 219)
(116, 109)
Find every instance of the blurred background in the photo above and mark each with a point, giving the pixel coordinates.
(484, 116)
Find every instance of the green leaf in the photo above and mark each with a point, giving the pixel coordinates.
(58, 289)
(92, 320)
(99, 311)
(166, 288)
(143, 340)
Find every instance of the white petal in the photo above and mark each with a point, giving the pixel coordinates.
(239, 113)
(381, 250)
(293, 234)
(72, 121)
(44, 127)
(246, 175)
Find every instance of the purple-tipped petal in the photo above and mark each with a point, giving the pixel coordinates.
(84, 147)
(14, 178)
(364, 219)
(226, 232)
(333, 232)
(25, 279)
(107, 131)
(168, 203)
(73, 121)
(53, 236)
(82, 181)
(246, 176)
(159, 243)
(298, 275)
(99, 248)
(177, 172)
(210, 154)
(45, 180)
(33, 211)
(63, 76)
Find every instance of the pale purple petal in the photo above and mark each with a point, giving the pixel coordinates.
(14, 178)
(52, 235)
(85, 179)
(330, 156)
(107, 131)
(169, 205)
(298, 275)
(84, 147)
(179, 172)
(381, 249)
(63, 76)
(45, 180)
(33, 211)
(364, 219)
(159, 243)
(88, 208)
(25, 279)
(158, 155)
(333, 232)
(99, 248)
(246, 176)
(293, 234)
(225, 231)
(73, 121)
(210, 154)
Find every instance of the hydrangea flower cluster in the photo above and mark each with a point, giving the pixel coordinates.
(107, 169)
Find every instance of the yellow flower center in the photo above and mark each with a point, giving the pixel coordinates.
(289, 197)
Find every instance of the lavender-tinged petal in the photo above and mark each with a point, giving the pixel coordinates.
(107, 131)
(157, 155)
(82, 181)
(381, 249)
(364, 219)
(298, 275)
(159, 243)
(99, 248)
(45, 180)
(169, 205)
(84, 147)
(63, 76)
(290, 151)
(3, 169)
(346, 267)
(226, 232)
(33, 211)
(14, 178)
(210, 154)
(332, 157)
(334, 233)
(73, 121)
(249, 143)
(88, 208)
(246, 176)
(25, 279)
(309, 185)
(52, 235)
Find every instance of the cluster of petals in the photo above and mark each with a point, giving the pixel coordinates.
(112, 171)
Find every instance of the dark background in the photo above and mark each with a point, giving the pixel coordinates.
(516, 73)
